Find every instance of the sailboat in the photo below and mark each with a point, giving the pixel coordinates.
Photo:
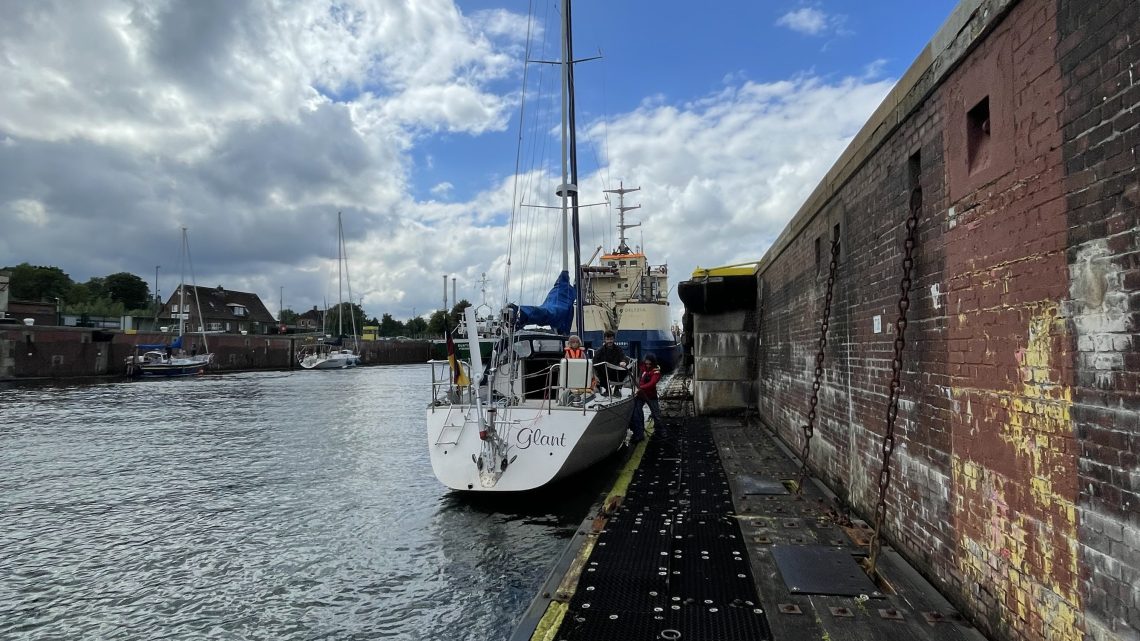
(532, 416)
(163, 360)
(334, 354)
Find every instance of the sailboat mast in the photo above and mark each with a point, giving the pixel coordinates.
(182, 284)
(563, 189)
(568, 65)
(339, 277)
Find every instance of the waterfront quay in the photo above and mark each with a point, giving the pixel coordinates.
(47, 352)
(947, 333)
(705, 537)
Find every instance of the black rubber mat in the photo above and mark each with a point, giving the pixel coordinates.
(672, 559)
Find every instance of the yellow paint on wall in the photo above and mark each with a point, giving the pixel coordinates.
(1015, 554)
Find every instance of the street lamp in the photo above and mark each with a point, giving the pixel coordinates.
(58, 312)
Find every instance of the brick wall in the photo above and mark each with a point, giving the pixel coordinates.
(1099, 58)
(1016, 488)
(67, 352)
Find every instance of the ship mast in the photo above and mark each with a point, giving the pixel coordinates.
(621, 191)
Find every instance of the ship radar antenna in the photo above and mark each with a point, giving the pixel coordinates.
(621, 191)
(483, 288)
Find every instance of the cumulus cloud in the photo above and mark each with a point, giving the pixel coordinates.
(811, 21)
(253, 123)
(722, 175)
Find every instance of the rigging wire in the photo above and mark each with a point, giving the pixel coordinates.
(531, 175)
(194, 282)
(518, 158)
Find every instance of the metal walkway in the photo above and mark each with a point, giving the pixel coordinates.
(671, 561)
(702, 539)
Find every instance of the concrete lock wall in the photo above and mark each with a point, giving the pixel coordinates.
(1015, 482)
(724, 351)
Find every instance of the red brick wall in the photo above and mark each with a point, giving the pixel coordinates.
(1099, 57)
(36, 352)
(1015, 485)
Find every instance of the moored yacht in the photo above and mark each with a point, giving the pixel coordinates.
(531, 417)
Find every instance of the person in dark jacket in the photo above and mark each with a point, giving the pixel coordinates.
(611, 366)
(647, 395)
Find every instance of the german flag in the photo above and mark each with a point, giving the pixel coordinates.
(457, 374)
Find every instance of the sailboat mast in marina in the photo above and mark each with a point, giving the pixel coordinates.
(532, 415)
(171, 360)
(336, 355)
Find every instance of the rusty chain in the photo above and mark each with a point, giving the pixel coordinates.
(896, 372)
(809, 427)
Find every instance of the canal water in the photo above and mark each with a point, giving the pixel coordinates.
(257, 506)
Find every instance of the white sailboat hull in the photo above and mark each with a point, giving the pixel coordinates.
(330, 361)
(544, 443)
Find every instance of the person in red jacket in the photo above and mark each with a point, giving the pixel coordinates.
(647, 395)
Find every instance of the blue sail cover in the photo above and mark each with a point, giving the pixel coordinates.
(557, 311)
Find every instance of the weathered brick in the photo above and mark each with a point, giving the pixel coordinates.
(1021, 386)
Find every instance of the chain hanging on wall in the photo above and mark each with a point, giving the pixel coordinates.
(809, 427)
(896, 371)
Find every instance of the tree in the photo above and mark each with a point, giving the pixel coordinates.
(128, 289)
(416, 327)
(34, 283)
(287, 317)
(390, 327)
(457, 311)
(435, 324)
(98, 307)
(79, 294)
(351, 311)
(95, 288)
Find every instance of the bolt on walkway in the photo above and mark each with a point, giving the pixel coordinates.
(705, 539)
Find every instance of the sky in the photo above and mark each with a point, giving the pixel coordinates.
(252, 123)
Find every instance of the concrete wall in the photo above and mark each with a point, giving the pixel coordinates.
(724, 374)
(1015, 487)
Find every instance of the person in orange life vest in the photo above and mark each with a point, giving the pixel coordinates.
(647, 395)
(574, 348)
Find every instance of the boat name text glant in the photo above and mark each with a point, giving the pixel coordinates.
(530, 436)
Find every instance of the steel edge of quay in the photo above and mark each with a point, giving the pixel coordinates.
(543, 618)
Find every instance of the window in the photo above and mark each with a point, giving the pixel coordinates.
(978, 136)
(174, 309)
(240, 311)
